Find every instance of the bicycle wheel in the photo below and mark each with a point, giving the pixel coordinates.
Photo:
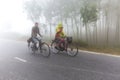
(32, 48)
(45, 49)
(53, 49)
(72, 51)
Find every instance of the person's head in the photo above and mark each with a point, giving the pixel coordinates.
(60, 26)
(36, 24)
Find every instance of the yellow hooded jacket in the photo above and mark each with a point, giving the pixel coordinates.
(62, 34)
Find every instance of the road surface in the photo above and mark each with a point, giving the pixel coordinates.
(17, 63)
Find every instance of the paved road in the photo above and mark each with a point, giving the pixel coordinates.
(17, 63)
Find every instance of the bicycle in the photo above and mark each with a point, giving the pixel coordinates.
(67, 47)
(41, 46)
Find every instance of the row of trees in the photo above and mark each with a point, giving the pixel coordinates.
(95, 22)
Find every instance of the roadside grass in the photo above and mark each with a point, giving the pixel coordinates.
(105, 50)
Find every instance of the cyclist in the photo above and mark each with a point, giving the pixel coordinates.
(60, 36)
(35, 31)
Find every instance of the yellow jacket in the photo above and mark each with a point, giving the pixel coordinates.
(62, 34)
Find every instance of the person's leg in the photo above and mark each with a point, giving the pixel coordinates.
(58, 42)
(35, 42)
(29, 40)
(63, 42)
(39, 40)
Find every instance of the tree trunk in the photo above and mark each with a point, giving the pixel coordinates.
(77, 30)
(72, 27)
(107, 36)
(86, 28)
(50, 31)
(117, 30)
(96, 34)
(67, 27)
(80, 30)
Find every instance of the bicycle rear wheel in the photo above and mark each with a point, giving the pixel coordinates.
(72, 51)
(45, 49)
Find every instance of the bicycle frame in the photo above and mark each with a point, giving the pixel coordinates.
(65, 45)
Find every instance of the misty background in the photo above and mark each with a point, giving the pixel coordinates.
(89, 22)
(13, 20)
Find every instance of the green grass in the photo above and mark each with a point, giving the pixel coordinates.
(106, 50)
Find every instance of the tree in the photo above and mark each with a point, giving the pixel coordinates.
(88, 15)
(33, 10)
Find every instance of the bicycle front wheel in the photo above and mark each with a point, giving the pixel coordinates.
(53, 49)
(45, 49)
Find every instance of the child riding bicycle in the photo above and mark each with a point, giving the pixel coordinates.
(60, 37)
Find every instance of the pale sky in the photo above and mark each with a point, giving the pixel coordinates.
(13, 18)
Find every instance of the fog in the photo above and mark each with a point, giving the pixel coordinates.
(13, 20)
(95, 22)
